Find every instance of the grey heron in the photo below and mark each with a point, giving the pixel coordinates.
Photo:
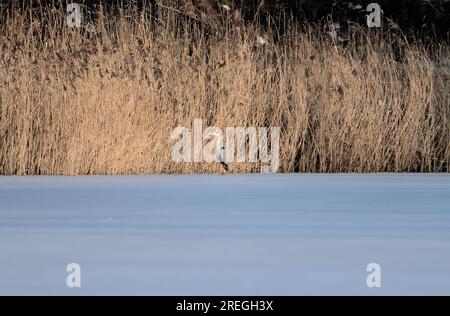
(220, 152)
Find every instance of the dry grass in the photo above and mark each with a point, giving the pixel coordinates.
(73, 102)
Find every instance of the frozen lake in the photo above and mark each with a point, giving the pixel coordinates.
(226, 235)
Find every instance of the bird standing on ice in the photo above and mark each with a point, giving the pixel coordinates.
(220, 152)
(221, 158)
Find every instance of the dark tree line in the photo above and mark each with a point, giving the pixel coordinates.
(419, 17)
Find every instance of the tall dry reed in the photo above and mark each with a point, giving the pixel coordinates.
(105, 100)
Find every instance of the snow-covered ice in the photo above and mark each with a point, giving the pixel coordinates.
(291, 234)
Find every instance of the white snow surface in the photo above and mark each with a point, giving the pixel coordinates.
(281, 234)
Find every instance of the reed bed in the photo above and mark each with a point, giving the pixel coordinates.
(104, 99)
